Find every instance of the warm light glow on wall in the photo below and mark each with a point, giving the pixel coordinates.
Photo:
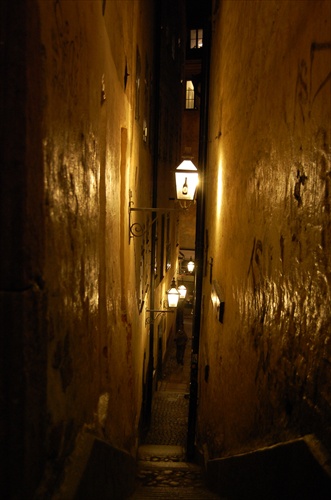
(218, 197)
(219, 189)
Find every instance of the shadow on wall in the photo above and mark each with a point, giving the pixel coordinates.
(297, 470)
(97, 471)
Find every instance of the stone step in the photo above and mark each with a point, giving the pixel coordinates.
(183, 474)
(166, 464)
(169, 493)
(165, 453)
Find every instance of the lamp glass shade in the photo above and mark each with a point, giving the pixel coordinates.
(182, 291)
(186, 180)
(173, 297)
(190, 266)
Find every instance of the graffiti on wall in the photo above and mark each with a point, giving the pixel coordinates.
(312, 79)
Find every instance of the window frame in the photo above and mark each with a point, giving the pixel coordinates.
(188, 95)
(196, 35)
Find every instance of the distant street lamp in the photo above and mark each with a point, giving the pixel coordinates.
(182, 291)
(190, 266)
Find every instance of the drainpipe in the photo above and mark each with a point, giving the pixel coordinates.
(199, 243)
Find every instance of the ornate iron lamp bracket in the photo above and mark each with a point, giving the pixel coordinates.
(159, 312)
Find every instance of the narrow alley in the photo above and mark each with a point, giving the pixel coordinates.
(156, 154)
(163, 471)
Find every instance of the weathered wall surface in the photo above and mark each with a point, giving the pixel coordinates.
(269, 226)
(94, 153)
(69, 294)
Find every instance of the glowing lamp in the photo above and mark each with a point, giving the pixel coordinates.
(186, 180)
(173, 295)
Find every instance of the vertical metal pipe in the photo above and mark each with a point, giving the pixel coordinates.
(199, 245)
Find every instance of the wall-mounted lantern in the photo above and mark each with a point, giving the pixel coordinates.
(187, 177)
(173, 295)
(190, 265)
(186, 180)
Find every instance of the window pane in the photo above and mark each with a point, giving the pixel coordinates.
(189, 95)
(200, 38)
(193, 39)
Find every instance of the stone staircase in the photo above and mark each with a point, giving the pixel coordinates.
(163, 473)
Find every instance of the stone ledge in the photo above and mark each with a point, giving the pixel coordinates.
(288, 471)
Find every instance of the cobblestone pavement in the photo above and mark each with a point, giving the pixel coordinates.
(172, 480)
(170, 402)
(163, 473)
(169, 419)
(162, 470)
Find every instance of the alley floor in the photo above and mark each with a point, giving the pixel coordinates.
(171, 400)
(162, 468)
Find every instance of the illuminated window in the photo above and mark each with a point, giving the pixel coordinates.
(196, 39)
(189, 99)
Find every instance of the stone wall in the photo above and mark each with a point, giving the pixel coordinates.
(265, 370)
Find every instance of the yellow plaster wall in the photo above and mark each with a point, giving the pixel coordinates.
(268, 221)
(93, 153)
